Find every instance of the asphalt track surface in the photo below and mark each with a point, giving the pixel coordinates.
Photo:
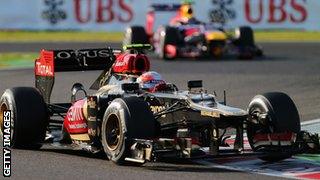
(293, 68)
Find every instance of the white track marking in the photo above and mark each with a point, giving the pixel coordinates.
(314, 121)
(312, 126)
(251, 170)
(252, 167)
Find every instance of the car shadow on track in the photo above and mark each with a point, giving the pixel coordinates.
(182, 165)
(80, 153)
(183, 168)
(167, 164)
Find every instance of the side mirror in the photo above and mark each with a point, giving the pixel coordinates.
(75, 89)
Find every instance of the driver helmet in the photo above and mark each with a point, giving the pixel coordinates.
(149, 80)
(186, 11)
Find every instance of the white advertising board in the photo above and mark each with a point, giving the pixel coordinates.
(115, 15)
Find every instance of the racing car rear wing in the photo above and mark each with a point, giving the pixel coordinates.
(169, 6)
(161, 7)
(51, 61)
(150, 17)
(73, 60)
(165, 7)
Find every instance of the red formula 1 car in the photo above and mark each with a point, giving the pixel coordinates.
(185, 36)
(132, 124)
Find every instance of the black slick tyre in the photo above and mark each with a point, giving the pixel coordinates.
(244, 35)
(124, 120)
(135, 35)
(168, 35)
(245, 42)
(281, 116)
(29, 116)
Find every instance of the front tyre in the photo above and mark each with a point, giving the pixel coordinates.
(244, 35)
(124, 120)
(29, 116)
(244, 40)
(273, 114)
(169, 36)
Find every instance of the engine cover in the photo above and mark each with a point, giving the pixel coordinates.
(128, 63)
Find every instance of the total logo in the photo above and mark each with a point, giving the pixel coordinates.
(44, 70)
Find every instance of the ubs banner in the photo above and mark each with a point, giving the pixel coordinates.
(114, 15)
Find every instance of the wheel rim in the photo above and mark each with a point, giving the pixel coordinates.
(113, 132)
(2, 109)
(256, 124)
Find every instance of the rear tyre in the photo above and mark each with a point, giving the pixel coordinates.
(135, 35)
(281, 116)
(126, 119)
(29, 116)
(168, 35)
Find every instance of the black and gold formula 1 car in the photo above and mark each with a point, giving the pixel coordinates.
(132, 125)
